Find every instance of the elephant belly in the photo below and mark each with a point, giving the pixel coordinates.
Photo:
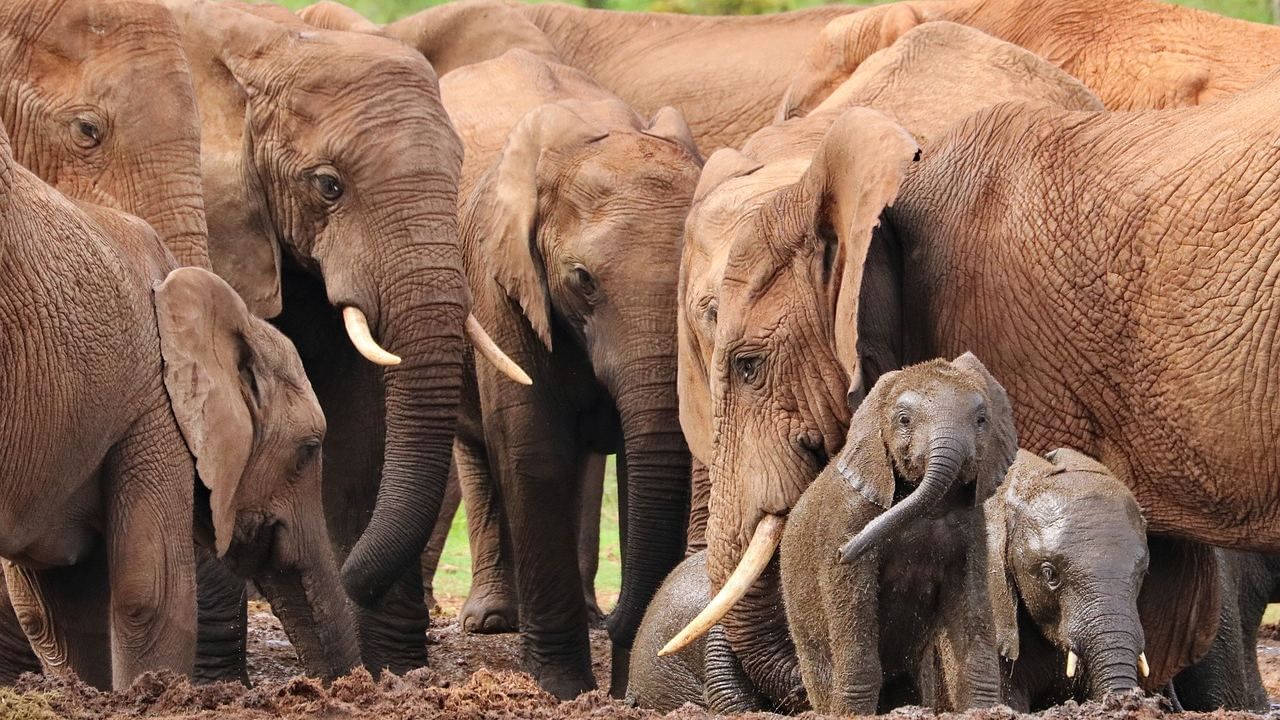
(54, 536)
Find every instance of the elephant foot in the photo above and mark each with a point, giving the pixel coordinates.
(560, 661)
(488, 612)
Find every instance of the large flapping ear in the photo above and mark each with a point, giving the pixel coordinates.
(839, 49)
(328, 15)
(724, 164)
(209, 375)
(1178, 606)
(864, 460)
(1002, 443)
(669, 124)
(506, 206)
(452, 35)
(855, 174)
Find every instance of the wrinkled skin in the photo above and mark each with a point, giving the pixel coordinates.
(1135, 54)
(725, 74)
(353, 202)
(778, 244)
(96, 473)
(928, 445)
(1068, 552)
(1227, 677)
(572, 208)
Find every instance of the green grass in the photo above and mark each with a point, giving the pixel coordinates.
(453, 578)
(382, 11)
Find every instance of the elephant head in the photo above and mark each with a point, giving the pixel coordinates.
(580, 217)
(1068, 547)
(250, 418)
(334, 149)
(98, 95)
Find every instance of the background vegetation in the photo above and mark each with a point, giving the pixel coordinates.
(454, 577)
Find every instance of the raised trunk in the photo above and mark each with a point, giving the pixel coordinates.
(946, 455)
(420, 318)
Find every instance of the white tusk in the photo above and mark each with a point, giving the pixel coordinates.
(358, 330)
(1143, 667)
(1071, 664)
(491, 352)
(759, 551)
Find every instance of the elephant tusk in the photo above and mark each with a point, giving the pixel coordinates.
(1143, 667)
(759, 551)
(358, 330)
(491, 352)
(1071, 664)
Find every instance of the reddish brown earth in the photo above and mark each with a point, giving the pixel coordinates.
(471, 676)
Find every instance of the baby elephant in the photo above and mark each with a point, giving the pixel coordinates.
(1068, 552)
(907, 594)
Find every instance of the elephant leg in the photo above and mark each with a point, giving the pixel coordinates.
(491, 602)
(850, 600)
(700, 481)
(149, 550)
(592, 496)
(222, 632)
(439, 537)
(728, 690)
(16, 655)
(63, 612)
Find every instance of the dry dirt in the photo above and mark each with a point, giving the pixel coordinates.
(471, 676)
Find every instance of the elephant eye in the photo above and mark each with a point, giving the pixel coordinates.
(1049, 574)
(748, 367)
(328, 185)
(904, 420)
(586, 283)
(307, 453)
(86, 133)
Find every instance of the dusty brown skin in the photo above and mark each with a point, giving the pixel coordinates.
(353, 201)
(571, 211)
(902, 501)
(1135, 54)
(725, 74)
(1068, 553)
(778, 245)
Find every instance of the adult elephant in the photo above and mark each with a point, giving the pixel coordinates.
(352, 201)
(571, 211)
(1095, 261)
(725, 74)
(1134, 54)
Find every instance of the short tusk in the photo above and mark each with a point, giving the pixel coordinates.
(759, 551)
(358, 330)
(490, 350)
(1071, 664)
(1143, 667)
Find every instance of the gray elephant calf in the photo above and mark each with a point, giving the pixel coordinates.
(1073, 547)
(928, 445)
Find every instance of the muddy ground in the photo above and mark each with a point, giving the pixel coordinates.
(471, 676)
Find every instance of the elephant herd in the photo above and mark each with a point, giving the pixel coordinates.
(936, 343)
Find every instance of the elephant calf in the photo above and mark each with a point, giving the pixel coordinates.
(926, 447)
(1073, 547)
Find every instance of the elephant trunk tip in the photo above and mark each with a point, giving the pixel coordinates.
(361, 585)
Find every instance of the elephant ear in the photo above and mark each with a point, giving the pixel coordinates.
(855, 174)
(723, 165)
(222, 44)
(1178, 606)
(328, 15)
(1002, 443)
(669, 124)
(1002, 587)
(1072, 460)
(864, 461)
(213, 381)
(507, 207)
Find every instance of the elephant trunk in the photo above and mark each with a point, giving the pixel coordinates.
(1110, 641)
(305, 593)
(419, 317)
(179, 220)
(947, 454)
(757, 630)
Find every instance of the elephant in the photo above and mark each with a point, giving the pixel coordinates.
(344, 214)
(1067, 555)
(724, 74)
(93, 467)
(1135, 54)
(907, 589)
(571, 209)
(774, 434)
(1095, 261)
(1228, 677)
